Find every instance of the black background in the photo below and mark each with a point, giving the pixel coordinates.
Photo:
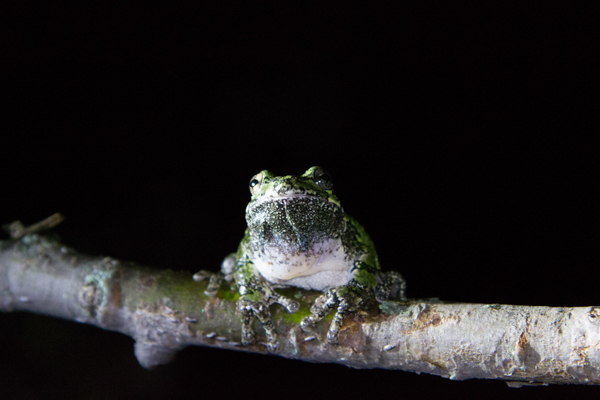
(460, 136)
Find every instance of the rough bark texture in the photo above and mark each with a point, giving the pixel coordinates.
(164, 311)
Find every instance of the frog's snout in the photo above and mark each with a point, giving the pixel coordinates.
(290, 182)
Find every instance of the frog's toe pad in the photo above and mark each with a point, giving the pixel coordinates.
(307, 325)
(248, 336)
(272, 347)
(333, 337)
(201, 275)
(293, 307)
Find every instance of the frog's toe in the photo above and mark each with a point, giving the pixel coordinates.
(259, 310)
(273, 346)
(307, 325)
(333, 337)
(290, 305)
(246, 309)
(333, 334)
(344, 308)
(214, 284)
(247, 335)
(202, 275)
(322, 306)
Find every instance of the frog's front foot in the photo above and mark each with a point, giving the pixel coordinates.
(214, 281)
(254, 302)
(346, 299)
(216, 278)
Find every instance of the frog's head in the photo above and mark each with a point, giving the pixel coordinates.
(315, 182)
(293, 211)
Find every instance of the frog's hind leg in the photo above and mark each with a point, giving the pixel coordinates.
(390, 284)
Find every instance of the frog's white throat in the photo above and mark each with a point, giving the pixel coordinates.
(324, 267)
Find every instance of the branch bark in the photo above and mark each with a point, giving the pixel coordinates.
(165, 311)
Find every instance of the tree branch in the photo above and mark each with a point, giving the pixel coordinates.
(165, 311)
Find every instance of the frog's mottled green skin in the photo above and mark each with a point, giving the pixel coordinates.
(298, 235)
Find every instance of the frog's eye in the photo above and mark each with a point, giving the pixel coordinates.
(323, 179)
(255, 182)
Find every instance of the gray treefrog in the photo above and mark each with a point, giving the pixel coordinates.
(298, 235)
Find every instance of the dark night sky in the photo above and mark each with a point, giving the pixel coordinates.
(459, 136)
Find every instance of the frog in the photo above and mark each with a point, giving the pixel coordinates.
(298, 235)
